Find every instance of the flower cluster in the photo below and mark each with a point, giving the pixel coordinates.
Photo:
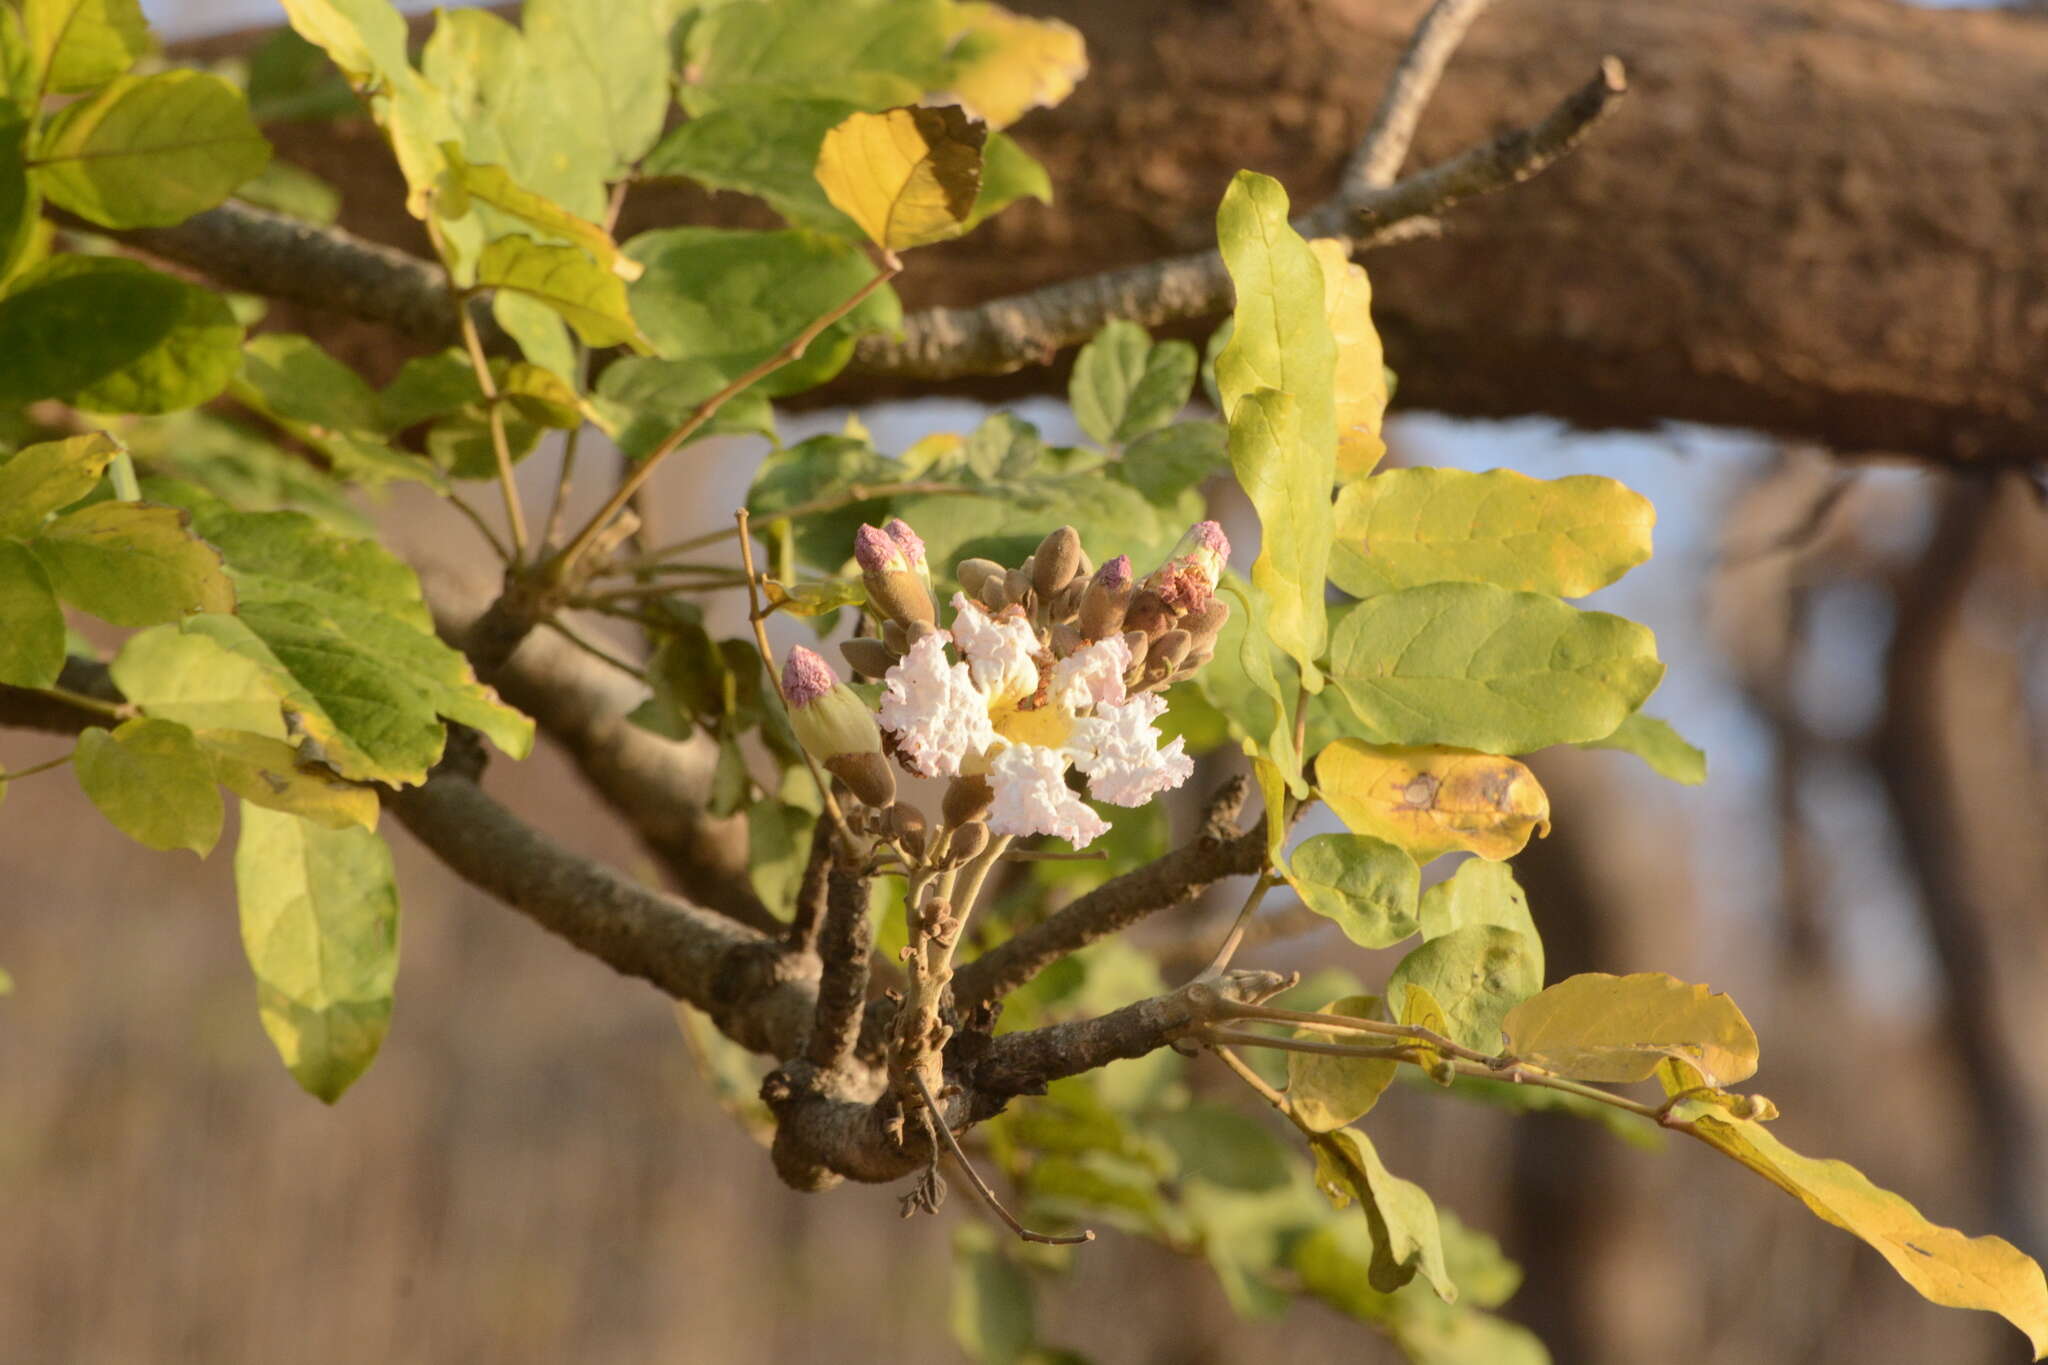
(1049, 667)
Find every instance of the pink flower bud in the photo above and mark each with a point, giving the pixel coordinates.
(806, 677)
(878, 552)
(910, 542)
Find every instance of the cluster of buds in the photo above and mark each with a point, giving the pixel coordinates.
(1056, 665)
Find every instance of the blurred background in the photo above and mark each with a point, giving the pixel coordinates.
(535, 1170)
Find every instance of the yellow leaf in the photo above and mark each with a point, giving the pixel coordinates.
(1328, 1092)
(1004, 65)
(269, 773)
(1986, 1273)
(1361, 380)
(1617, 1029)
(1433, 800)
(907, 176)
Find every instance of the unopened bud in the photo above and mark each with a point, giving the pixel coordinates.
(1066, 638)
(967, 799)
(968, 843)
(1105, 598)
(896, 586)
(868, 656)
(895, 638)
(907, 824)
(1148, 613)
(868, 776)
(1167, 652)
(910, 542)
(1067, 601)
(1205, 625)
(1059, 554)
(829, 718)
(1016, 583)
(972, 573)
(994, 594)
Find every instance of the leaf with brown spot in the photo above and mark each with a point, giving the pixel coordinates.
(1433, 800)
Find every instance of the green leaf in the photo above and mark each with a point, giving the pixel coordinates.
(78, 44)
(1265, 710)
(1008, 173)
(1328, 1092)
(17, 70)
(1366, 885)
(542, 335)
(1482, 892)
(284, 188)
(1432, 801)
(46, 478)
(1167, 463)
(1566, 537)
(1224, 1146)
(541, 396)
(31, 622)
(149, 778)
(319, 911)
(20, 204)
(1124, 386)
(1477, 974)
(1616, 1029)
(1657, 744)
(150, 151)
(199, 682)
(494, 185)
(611, 59)
(991, 1308)
(1334, 1262)
(589, 298)
(112, 335)
(1284, 454)
(769, 150)
(289, 377)
(429, 386)
(134, 564)
(909, 177)
(868, 53)
(1986, 1273)
(1406, 1236)
(642, 400)
(734, 298)
(341, 624)
(1480, 667)
(270, 773)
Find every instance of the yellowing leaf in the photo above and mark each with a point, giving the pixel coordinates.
(1360, 386)
(495, 186)
(78, 44)
(1284, 448)
(1328, 1092)
(1566, 537)
(269, 773)
(1004, 65)
(589, 298)
(1617, 1029)
(1366, 885)
(1986, 1273)
(1479, 973)
(46, 478)
(197, 681)
(1432, 801)
(1406, 1236)
(134, 564)
(149, 778)
(906, 176)
(319, 911)
(31, 621)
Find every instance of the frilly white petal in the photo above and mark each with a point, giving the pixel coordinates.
(1032, 797)
(1092, 675)
(999, 653)
(1118, 749)
(933, 709)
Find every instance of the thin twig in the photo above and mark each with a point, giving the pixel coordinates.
(758, 619)
(501, 449)
(476, 519)
(558, 502)
(1228, 948)
(1389, 1053)
(1333, 1023)
(1378, 156)
(110, 709)
(981, 1187)
(565, 563)
(845, 497)
(595, 651)
(33, 769)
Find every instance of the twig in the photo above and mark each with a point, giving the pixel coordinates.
(480, 364)
(558, 501)
(462, 505)
(595, 651)
(111, 710)
(846, 497)
(33, 769)
(758, 619)
(1377, 158)
(565, 563)
(1392, 1052)
(813, 892)
(1228, 948)
(1334, 1023)
(1046, 855)
(981, 1187)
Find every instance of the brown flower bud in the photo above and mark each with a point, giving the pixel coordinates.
(868, 656)
(1059, 554)
(972, 573)
(1203, 626)
(967, 843)
(895, 584)
(895, 638)
(1067, 601)
(868, 776)
(1066, 638)
(1149, 613)
(967, 799)
(1167, 652)
(1105, 599)
(907, 825)
(1016, 583)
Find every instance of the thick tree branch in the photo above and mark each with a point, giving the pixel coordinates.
(844, 947)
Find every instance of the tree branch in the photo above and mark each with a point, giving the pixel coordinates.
(1379, 154)
(844, 947)
(1179, 876)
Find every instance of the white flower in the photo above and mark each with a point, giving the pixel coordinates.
(1092, 675)
(1032, 798)
(1000, 653)
(1118, 749)
(934, 710)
